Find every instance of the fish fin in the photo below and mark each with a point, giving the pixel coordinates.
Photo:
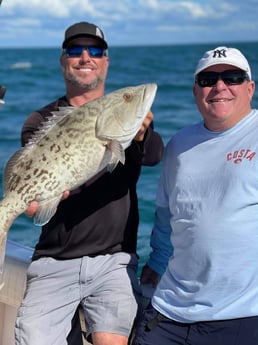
(117, 150)
(47, 125)
(2, 251)
(8, 169)
(46, 210)
(112, 164)
(62, 111)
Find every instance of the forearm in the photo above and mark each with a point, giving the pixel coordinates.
(148, 152)
(160, 241)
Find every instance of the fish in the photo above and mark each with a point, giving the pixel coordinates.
(72, 146)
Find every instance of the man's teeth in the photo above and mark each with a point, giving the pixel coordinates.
(218, 100)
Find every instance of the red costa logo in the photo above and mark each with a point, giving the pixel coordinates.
(238, 155)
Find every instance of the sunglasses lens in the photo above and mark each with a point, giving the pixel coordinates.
(233, 78)
(76, 51)
(208, 79)
(95, 52)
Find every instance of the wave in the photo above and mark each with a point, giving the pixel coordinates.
(21, 65)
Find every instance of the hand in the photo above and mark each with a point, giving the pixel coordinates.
(33, 206)
(146, 122)
(149, 276)
(32, 209)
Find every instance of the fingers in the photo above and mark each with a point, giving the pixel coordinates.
(146, 122)
(32, 209)
(33, 206)
(65, 194)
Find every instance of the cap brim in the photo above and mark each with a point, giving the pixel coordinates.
(220, 63)
(99, 39)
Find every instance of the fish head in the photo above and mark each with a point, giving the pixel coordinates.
(124, 113)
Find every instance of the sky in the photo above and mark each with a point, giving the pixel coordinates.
(41, 23)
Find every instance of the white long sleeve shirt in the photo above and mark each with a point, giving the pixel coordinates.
(209, 185)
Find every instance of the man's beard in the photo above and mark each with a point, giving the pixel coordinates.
(75, 81)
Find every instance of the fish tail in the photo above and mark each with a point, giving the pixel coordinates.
(7, 216)
(1, 281)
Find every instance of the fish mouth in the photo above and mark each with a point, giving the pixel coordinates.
(148, 94)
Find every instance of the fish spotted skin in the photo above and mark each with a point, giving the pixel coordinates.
(70, 148)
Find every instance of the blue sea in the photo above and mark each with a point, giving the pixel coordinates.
(33, 78)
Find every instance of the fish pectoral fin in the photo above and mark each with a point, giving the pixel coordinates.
(2, 251)
(117, 150)
(46, 210)
(112, 164)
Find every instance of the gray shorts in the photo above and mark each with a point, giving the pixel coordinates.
(105, 286)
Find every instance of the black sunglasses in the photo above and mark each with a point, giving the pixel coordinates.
(229, 77)
(76, 51)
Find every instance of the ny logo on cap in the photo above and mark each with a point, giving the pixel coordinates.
(219, 53)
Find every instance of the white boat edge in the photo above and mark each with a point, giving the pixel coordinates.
(17, 259)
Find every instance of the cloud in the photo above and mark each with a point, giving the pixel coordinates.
(114, 9)
(61, 8)
(53, 8)
(43, 23)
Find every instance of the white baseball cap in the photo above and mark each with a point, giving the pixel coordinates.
(223, 55)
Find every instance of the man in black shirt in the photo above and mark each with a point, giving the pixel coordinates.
(86, 254)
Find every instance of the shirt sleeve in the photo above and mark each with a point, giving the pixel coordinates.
(148, 152)
(160, 241)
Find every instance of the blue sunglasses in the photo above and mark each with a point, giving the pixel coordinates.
(76, 51)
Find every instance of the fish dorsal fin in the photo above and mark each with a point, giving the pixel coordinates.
(23, 152)
(46, 210)
(8, 170)
(63, 111)
(50, 122)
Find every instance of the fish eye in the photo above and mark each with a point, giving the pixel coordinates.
(128, 97)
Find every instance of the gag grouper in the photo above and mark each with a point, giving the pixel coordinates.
(70, 148)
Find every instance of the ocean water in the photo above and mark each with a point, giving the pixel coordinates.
(33, 78)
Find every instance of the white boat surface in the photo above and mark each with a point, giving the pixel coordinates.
(17, 260)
